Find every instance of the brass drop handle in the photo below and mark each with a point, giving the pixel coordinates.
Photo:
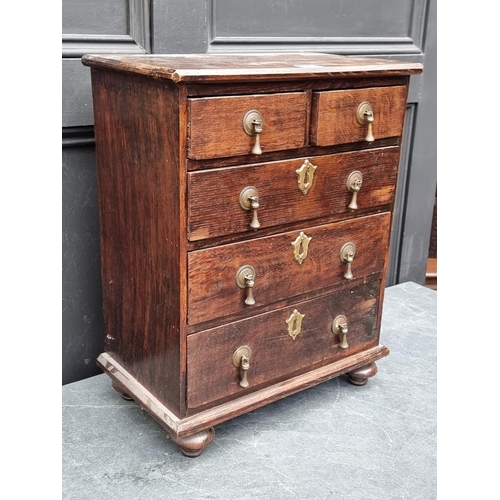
(354, 182)
(339, 327)
(245, 278)
(241, 359)
(249, 200)
(365, 117)
(257, 127)
(249, 284)
(252, 125)
(347, 253)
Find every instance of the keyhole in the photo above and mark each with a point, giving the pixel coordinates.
(307, 179)
(301, 249)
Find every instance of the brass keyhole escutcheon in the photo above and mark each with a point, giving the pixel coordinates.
(354, 183)
(294, 323)
(241, 359)
(245, 278)
(365, 117)
(305, 176)
(249, 200)
(253, 126)
(339, 327)
(347, 253)
(301, 247)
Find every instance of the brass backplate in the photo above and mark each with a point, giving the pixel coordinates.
(241, 351)
(242, 272)
(354, 181)
(339, 320)
(245, 195)
(360, 114)
(248, 120)
(347, 248)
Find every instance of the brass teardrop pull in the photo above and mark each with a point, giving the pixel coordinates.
(252, 125)
(354, 182)
(347, 253)
(339, 327)
(249, 284)
(241, 359)
(365, 117)
(245, 278)
(249, 200)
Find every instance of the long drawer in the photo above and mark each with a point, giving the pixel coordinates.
(288, 341)
(289, 191)
(282, 266)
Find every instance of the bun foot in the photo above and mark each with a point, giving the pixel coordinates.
(361, 375)
(120, 389)
(192, 446)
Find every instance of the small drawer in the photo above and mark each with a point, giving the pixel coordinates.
(335, 115)
(281, 343)
(226, 279)
(216, 124)
(289, 191)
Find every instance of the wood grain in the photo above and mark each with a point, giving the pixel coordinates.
(334, 114)
(211, 374)
(172, 160)
(212, 288)
(141, 200)
(200, 419)
(216, 124)
(214, 209)
(210, 68)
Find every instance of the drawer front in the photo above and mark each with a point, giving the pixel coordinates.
(334, 114)
(215, 128)
(282, 266)
(278, 350)
(289, 191)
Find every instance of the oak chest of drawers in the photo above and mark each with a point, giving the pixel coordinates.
(245, 208)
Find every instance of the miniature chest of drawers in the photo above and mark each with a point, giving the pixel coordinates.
(245, 213)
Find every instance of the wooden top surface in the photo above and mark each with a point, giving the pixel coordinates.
(242, 67)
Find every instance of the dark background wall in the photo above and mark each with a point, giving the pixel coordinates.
(397, 29)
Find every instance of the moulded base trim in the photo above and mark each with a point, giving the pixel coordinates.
(187, 426)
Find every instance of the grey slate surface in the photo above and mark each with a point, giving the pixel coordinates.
(335, 440)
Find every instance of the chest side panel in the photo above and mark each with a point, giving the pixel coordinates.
(140, 197)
